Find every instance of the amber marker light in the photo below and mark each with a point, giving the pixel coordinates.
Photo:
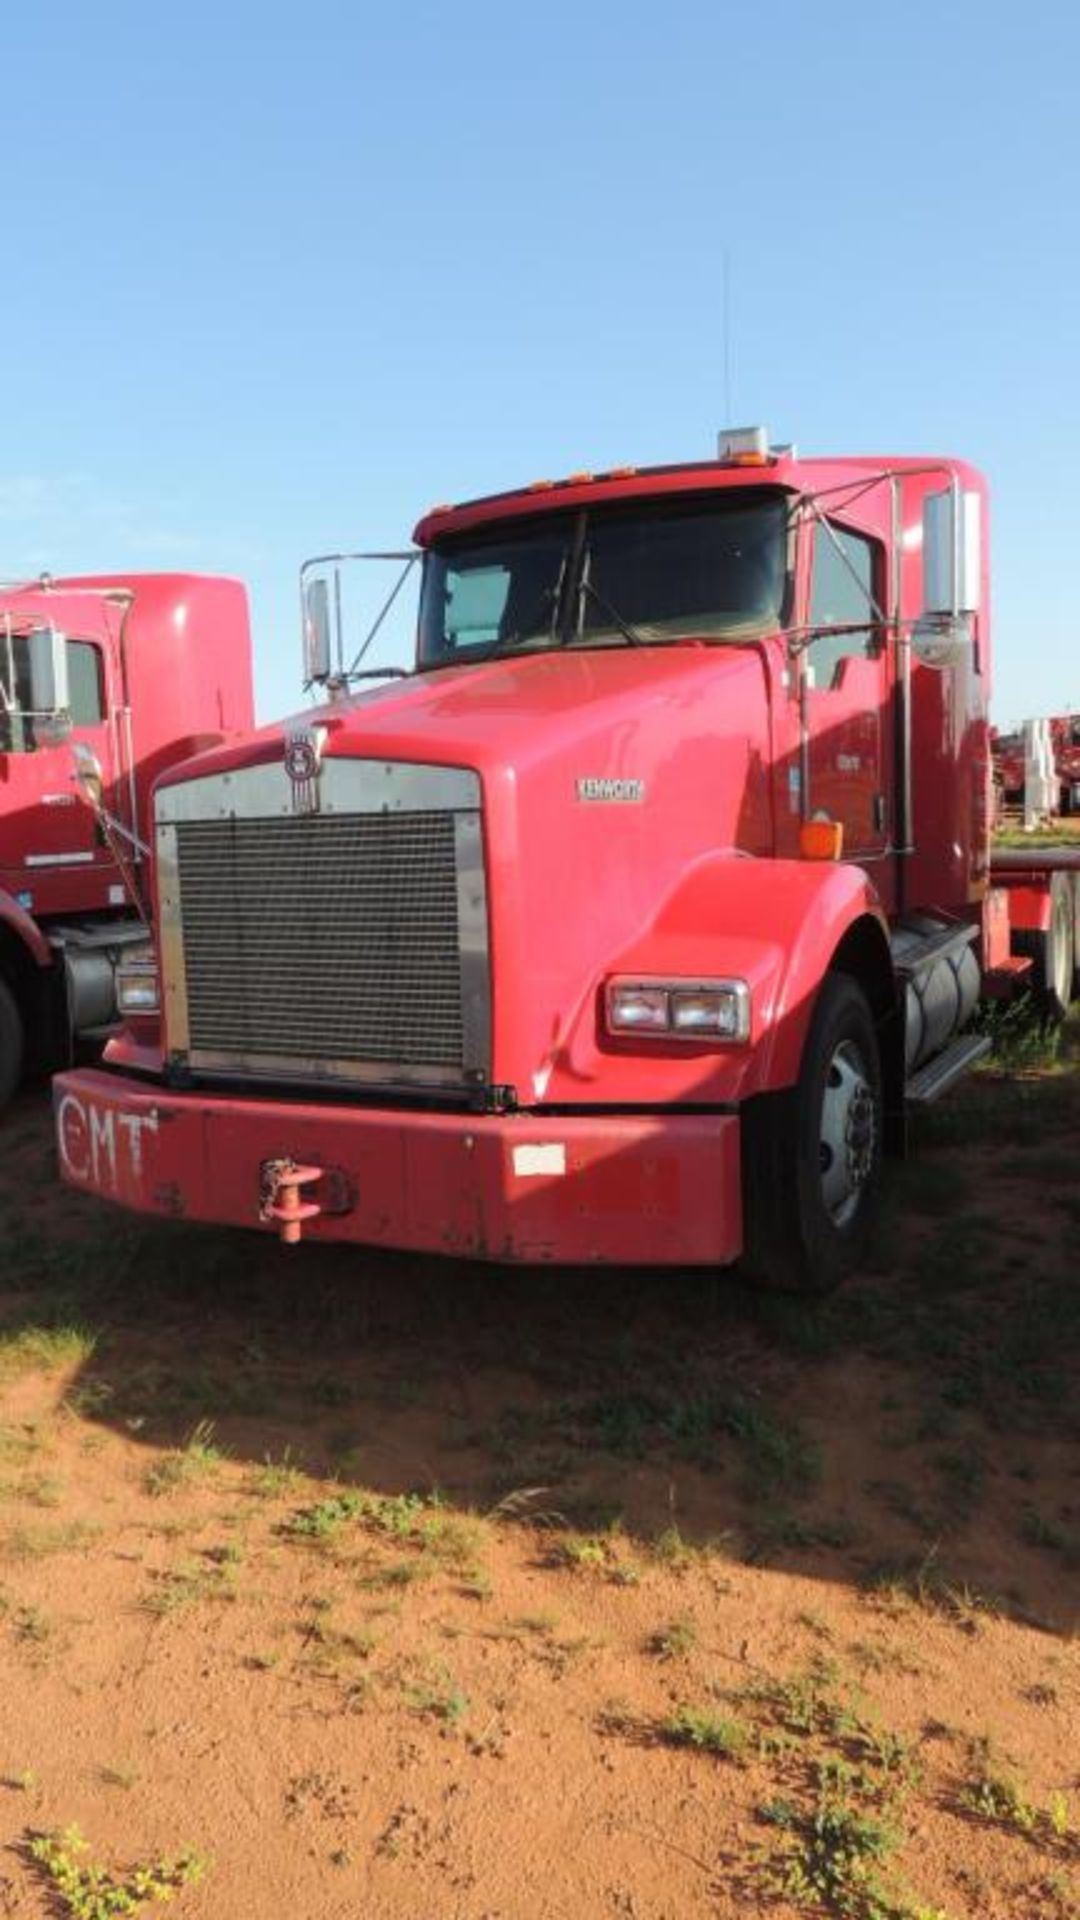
(821, 839)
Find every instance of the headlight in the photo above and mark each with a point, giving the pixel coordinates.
(679, 1009)
(137, 982)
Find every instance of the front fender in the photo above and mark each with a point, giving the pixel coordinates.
(776, 924)
(25, 929)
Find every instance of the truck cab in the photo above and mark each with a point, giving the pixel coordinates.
(127, 673)
(626, 924)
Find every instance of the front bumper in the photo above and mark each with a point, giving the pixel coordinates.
(654, 1190)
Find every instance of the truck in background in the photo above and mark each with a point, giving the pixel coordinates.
(134, 671)
(629, 924)
(1012, 755)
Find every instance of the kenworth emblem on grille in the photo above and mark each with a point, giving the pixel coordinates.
(614, 792)
(303, 764)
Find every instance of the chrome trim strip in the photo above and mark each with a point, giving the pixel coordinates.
(330, 1073)
(473, 937)
(174, 994)
(345, 786)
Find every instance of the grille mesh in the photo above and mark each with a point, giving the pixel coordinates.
(323, 937)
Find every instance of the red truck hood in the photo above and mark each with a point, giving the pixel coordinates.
(607, 777)
(520, 711)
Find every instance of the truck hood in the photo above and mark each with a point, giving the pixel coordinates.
(607, 776)
(515, 711)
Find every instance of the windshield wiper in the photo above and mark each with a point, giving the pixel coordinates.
(629, 634)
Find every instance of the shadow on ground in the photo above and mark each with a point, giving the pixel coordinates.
(916, 1430)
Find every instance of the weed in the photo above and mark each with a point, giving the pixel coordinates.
(45, 1349)
(582, 1552)
(922, 1583)
(996, 1796)
(197, 1460)
(123, 1777)
(438, 1698)
(706, 1730)
(24, 1781)
(674, 1641)
(32, 1627)
(35, 1543)
(275, 1478)
(325, 1520)
(830, 1857)
(92, 1892)
(188, 1585)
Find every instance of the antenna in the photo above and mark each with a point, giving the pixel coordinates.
(728, 415)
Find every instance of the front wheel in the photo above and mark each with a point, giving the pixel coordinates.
(812, 1156)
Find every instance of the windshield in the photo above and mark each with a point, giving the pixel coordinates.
(712, 568)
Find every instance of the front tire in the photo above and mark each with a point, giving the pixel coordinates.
(812, 1156)
(11, 1045)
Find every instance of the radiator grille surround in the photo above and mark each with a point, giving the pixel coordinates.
(344, 944)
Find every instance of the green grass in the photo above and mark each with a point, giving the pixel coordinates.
(86, 1890)
(707, 1731)
(45, 1349)
(187, 1466)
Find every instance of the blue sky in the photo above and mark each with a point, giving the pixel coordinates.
(279, 277)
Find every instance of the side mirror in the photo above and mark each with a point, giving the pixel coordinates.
(47, 652)
(318, 660)
(952, 559)
(951, 553)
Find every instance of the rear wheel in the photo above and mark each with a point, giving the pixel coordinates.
(1054, 950)
(812, 1157)
(11, 1045)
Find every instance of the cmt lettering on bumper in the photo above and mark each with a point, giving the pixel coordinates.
(101, 1147)
(655, 1189)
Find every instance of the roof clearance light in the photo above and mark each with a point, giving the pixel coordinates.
(540, 486)
(744, 446)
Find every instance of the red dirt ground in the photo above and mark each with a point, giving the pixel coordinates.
(403, 1588)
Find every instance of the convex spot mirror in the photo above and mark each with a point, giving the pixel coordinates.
(88, 775)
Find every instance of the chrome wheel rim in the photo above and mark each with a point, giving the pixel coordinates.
(848, 1143)
(1061, 959)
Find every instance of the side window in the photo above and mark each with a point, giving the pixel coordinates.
(85, 684)
(86, 691)
(846, 585)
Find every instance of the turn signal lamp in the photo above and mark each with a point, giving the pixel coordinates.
(821, 839)
(137, 982)
(679, 1009)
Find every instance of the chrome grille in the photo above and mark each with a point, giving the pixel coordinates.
(346, 944)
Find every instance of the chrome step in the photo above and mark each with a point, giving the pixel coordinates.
(945, 1068)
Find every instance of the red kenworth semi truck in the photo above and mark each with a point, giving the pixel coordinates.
(131, 672)
(627, 924)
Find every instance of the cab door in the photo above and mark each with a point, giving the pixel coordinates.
(51, 854)
(846, 693)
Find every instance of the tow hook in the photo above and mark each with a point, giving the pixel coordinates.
(280, 1185)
